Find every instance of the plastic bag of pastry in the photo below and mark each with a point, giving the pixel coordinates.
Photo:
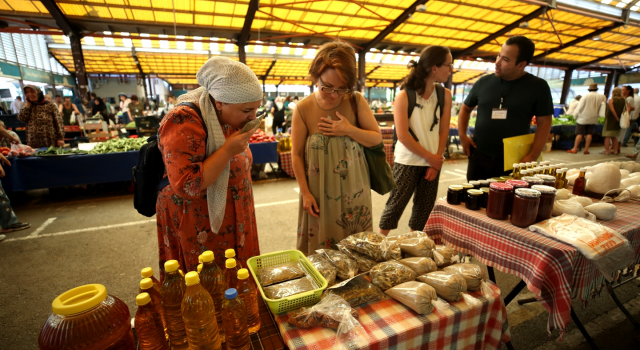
(420, 247)
(364, 262)
(373, 245)
(285, 289)
(326, 313)
(305, 317)
(474, 276)
(420, 265)
(279, 273)
(449, 286)
(345, 267)
(391, 273)
(415, 295)
(443, 255)
(324, 266)
(350, 334)
(356, 291)
(412, 234)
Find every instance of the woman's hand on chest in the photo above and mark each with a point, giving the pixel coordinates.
(340, 127)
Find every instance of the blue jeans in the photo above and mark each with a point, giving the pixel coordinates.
(7, 216)
(125, 118)
(633, 126)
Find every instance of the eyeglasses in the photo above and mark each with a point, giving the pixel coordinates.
(450, 65)
(330, 90)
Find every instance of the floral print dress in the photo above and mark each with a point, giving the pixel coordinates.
(184, 231)
(44, 124)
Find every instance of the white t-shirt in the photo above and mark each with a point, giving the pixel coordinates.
(420, 122)
(636, 112)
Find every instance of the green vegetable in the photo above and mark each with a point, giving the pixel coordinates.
(119, 145)
(58, 151)
(601, 120)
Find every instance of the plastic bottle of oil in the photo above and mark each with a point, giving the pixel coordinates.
(199, 315)
(230, 253)
(231, 273)
(146, 286)
(516, 171)
(149, 325)
(172, 293)
(212, 279)
(234, 315)
(147, 272)
(247, 293)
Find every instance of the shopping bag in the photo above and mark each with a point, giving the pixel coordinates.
(515, 148)
(602, 110)
(72, 120)
(625, 119)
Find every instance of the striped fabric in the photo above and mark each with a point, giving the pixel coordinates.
(555, 272)
(391, 325)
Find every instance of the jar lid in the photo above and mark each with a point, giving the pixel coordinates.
(545, 177)
(455, 187)
(524, 172)
(517, 183)
(500, 186)
(544, 189)
(533, 179)
(491, 181)
(484, 183)
(505, 178)
(79, 299)
(527, 192)
(474, 192)
(474, 183)
(467, 185)
(484, 189)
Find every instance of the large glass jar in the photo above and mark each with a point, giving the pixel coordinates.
(532, 180)
(547, 180)
(87, 317)
(474, 200)
(454, 194)
(499, 201)
(547, 197)
(525, 207)
(466, 187)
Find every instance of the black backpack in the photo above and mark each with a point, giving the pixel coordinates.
(148, 174)
(411, 95)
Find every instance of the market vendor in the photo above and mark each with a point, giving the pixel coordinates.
(506, 101)
(66, 109)
(208, 202)
(44, 122)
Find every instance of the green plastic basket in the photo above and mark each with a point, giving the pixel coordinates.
(296, 301)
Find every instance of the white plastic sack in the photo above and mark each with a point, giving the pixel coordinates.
(572, 179)
(563, 194)
(568, 206)
(636, 168)
(605, 177)
(635, 191)
(602, 211)
(630, 182)
(572, 172)
(628, 166)
(624, 174)
(584, 201)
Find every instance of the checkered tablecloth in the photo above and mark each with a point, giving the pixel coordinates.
(387, 132)
(554, 271)
(391, 325)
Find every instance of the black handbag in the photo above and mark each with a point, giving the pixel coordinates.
(380, 173)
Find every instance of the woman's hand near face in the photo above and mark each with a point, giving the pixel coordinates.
(340, 127)
(237, 142)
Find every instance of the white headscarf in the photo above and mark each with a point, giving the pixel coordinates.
(227, 81)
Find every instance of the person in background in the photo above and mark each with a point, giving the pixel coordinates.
(417, 164)
(124, 107)
(92, 100)
(7, 141)
(78, 103)
(207, 203)
(110, 111)
(58, 101)
(611, 129)
(573, 104)
(506, 101)
(44, 122)
(135, 108)
(627, 93)
(66, 108)
(8, 219)
(586, 116)
(328, 140)
(171, 102)
(16, 105)
(633, 126)
(152, 104)
(99, 107)
(278, 115)
(287, 100)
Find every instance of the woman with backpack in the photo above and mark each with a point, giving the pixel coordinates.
(208, 202)
(422, 137)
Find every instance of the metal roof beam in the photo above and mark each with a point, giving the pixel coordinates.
(578, 40)
(246, 30)
(501, 32)
(62, 20)
(621, 52)
(266, 74)
(395, 24)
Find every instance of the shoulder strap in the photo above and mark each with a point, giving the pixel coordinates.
(411, 96)
(439, 105)
(354, 106)
(197, 110)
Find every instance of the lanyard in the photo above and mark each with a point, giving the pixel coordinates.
(502, 93)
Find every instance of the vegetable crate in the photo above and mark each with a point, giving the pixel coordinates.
(296, 301)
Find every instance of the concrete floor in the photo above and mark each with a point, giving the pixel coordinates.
(93, 235)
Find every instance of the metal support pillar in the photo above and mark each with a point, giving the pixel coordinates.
(144, 83)
(150, 95)
(78, 62)
(566, 84)
(608, 83)
(362, 75)
(242, 54)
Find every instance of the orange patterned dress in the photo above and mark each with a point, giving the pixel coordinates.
(184, 231)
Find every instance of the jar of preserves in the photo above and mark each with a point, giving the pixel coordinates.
(499, 200)
(454, 194)
(484, 183)
(547, 180)
(547, 197)
(524, 209)
(532, 180)
(474, 199)
(485, 196)
(465, 188)
(476, 184)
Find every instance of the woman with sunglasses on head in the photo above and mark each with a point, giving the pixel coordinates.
(422, 138)
(328, 137)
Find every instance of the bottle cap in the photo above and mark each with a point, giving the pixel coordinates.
(243, 274)
(524, 172)
(474, 193)
(143, 299)
(146, 283)
(231, 293)
(207, 256)
(79, 299)
(584, 169)
(199, 268)
(229, 253)
(230, 263)
(200, 258)
(455, 187)
(192, 278)
(171, 265)
(516, 165)
(147, 272)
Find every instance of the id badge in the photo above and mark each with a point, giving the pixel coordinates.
(499, 113)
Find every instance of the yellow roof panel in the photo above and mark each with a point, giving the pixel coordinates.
(389, 72)
(290, 68)
(99, 61)
(467, 75)
(23, 6)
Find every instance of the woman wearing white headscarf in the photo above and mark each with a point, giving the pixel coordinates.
(208, 204)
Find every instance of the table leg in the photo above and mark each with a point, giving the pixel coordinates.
(492, 275)
(584, 332)
(527, 301)
(635, 323)
(514, 292)
(509, 345)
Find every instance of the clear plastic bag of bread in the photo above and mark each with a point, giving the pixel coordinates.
(350, 334)
(374, 245)
(356, 291)
(416, 244)
(289, 288)
(326, 313)
(324, 266)
(420, 265)
(346, 267)
(444, 256)
(364, 262)
(391, 273)
(450, 286)
(280, 273)
(474, 276)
